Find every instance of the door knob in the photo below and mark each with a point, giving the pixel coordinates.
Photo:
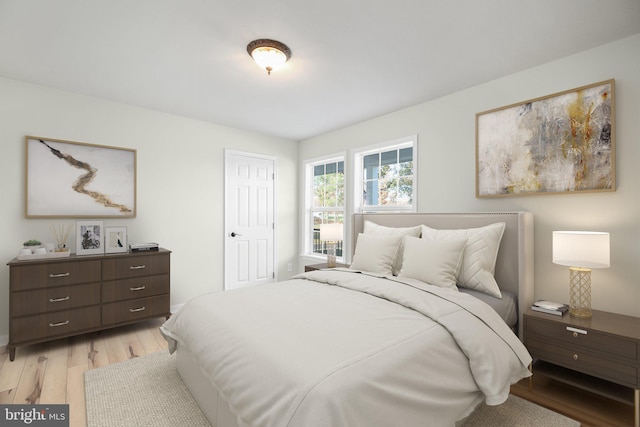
(234, 234)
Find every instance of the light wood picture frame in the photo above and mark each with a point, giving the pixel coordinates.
(560, 143)
(89, 237)
(115, 240)
(67, 179)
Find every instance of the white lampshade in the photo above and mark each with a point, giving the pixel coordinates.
(589, 249)
(331, 232)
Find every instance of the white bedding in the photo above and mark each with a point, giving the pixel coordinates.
(342, 348)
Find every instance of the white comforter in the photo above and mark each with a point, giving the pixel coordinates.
(342, 348)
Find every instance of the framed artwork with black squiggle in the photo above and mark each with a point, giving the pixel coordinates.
(67, 179)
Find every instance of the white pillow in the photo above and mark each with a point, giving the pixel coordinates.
(375, 253)
(380, 230)
(480, 254)
(433, 261)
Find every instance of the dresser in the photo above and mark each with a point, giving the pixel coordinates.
(59, 297)
(600, 354)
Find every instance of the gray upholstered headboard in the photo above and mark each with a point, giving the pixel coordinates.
(514, 267)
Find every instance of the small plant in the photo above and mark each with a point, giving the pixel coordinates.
(32, 242)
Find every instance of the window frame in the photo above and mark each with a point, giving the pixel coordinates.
(356, 159)
(309, 210)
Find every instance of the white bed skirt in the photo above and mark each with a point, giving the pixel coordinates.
(207, 396)
(204, 392)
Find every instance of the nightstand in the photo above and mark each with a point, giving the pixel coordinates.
(313, 267)
(600, 354)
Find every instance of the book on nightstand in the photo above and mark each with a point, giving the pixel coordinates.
(549, 307)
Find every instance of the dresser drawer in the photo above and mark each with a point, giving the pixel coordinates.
(583, 337)
(53, 324)
(135, 288)
(130, 310)
(588, 363)
(52, 299)
(135, 266)
(36, 276)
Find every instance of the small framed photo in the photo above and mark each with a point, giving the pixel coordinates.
(115, 240)
(89, 237)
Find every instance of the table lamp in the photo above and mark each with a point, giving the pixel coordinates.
(331, 234)
(581, 251)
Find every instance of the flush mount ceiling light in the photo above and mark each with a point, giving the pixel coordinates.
(269, 54)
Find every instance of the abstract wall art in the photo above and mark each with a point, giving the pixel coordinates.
(560, 143)
(66, 179)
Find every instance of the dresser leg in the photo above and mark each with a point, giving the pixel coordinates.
(636, 406)
(12, 354)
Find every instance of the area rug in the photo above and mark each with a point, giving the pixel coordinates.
(147, 391)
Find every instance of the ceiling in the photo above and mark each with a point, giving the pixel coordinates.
(352, 59)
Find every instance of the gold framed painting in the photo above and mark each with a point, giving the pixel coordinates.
(560, 143)
(66, 179)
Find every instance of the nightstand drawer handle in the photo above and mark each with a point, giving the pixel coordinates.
(59, 299)
(575, 357)
(135, 310)
(53, 276)
(53, 325)
(576, 331)
(139, 288)
(137, 267)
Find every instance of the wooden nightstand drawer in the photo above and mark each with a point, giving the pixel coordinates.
(574, 358)
(135, 288)
(580, 337)
(56, 323)
(127, 311)
(55, 274)
(135, 266)
(54, 299)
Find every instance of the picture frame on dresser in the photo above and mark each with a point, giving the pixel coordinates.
(115, 240)
(89, 237)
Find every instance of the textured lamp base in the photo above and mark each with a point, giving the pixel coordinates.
(580, 292)
(331, 254)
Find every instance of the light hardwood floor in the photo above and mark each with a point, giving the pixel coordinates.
(53, 372)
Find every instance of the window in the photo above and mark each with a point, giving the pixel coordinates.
(386, 177)
(325, 184)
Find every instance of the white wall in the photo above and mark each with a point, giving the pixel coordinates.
(180, 181)
(446, 139)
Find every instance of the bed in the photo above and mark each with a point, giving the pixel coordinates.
(356, 347)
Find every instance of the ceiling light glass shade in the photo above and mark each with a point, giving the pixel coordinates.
(269, 54)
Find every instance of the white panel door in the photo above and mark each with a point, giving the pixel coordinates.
(249, 220)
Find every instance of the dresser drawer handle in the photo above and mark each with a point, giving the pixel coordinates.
(53, 325)
(139, 288)
(575, 357)
(135, 310)
(53, 276)
(59, 299)
(137, 267)
(576, 331)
